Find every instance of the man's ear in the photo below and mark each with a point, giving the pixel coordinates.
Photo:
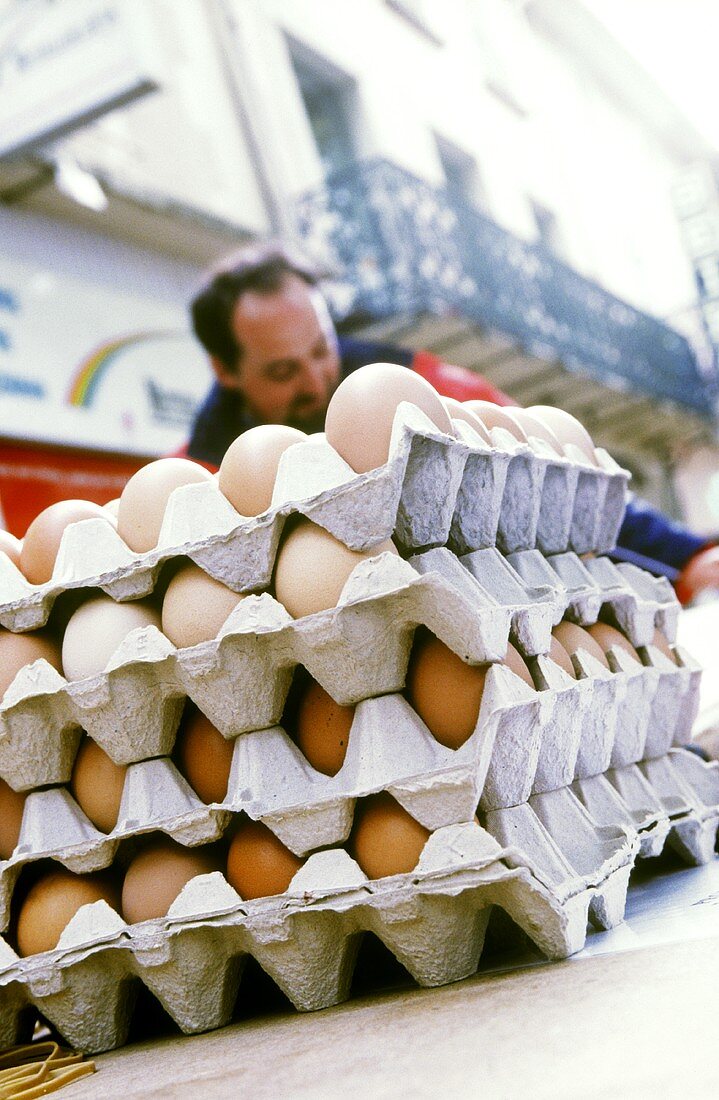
(229, 377)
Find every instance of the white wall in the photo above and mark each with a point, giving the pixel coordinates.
(576, 150)
(184, 144)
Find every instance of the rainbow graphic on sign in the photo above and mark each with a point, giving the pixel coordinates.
(86, 381)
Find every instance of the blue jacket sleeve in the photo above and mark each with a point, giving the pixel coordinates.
(652, 540)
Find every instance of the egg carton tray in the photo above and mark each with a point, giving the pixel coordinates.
(582, 591)
(636, 602)
(240, 679)
(433, 491)
(432, 920)
(526, 744)
(672, 798)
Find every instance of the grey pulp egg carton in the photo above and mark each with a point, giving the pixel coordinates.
(433, 920)
(639, 777)
(434, 490)
(632, 600)
(271, 781)
(671, 799)
(582, 864)
(607, 742)
(240, 679)
(521, 496)
(411, 496)
(526, 744)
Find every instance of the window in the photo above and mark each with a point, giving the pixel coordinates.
(417, 13)
(330, 102)
(463, 182)
(498, 37)
(547, 227)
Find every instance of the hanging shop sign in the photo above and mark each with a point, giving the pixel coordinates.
(64, 63)
(84, 364)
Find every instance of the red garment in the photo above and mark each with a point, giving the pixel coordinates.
(457, 382)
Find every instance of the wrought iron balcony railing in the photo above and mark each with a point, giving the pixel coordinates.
(402, 247)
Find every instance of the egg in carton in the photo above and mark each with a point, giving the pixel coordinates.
(432, 919)
(155, 798)
(240, 679)
(412, 496)
(524, 742)
(432, 490)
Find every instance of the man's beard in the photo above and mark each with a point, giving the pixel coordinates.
(314, 420)
(308, 423)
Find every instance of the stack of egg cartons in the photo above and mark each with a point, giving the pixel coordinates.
(542, 811)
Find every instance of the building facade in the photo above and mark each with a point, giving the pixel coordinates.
(492, 179)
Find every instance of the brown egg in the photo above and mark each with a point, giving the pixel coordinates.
(446, 692)
(312, 568)
(11, 546)
(157, 874)
(249, 468)
(53, 901)
(258, 864)
(361, 412)
(661, 642)
(559, 655)
(533, 426)
(96, 785)
(385, 839)
(12, 805)
(496, 416)
(566, 428)
(515, 663)
(144, 499)
(42, 538)
(203, 756)
(573, 638)
(608, 637)
(19, 650)
(323, 729)
(196, 607)
(458, 411)
(95, 631)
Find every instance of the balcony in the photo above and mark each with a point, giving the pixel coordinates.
(416, 268)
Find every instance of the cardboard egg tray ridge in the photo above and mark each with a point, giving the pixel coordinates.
(433, 491)
(433, 920)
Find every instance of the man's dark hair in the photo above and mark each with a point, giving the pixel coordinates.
(262, 268)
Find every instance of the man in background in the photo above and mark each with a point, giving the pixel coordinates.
(277, 359)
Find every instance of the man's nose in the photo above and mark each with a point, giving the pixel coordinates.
(314, 381)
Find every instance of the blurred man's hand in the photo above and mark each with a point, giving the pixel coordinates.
(700, 573)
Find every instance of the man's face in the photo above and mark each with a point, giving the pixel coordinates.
(290, 364)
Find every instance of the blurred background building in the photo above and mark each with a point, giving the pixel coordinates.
(497, 181)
